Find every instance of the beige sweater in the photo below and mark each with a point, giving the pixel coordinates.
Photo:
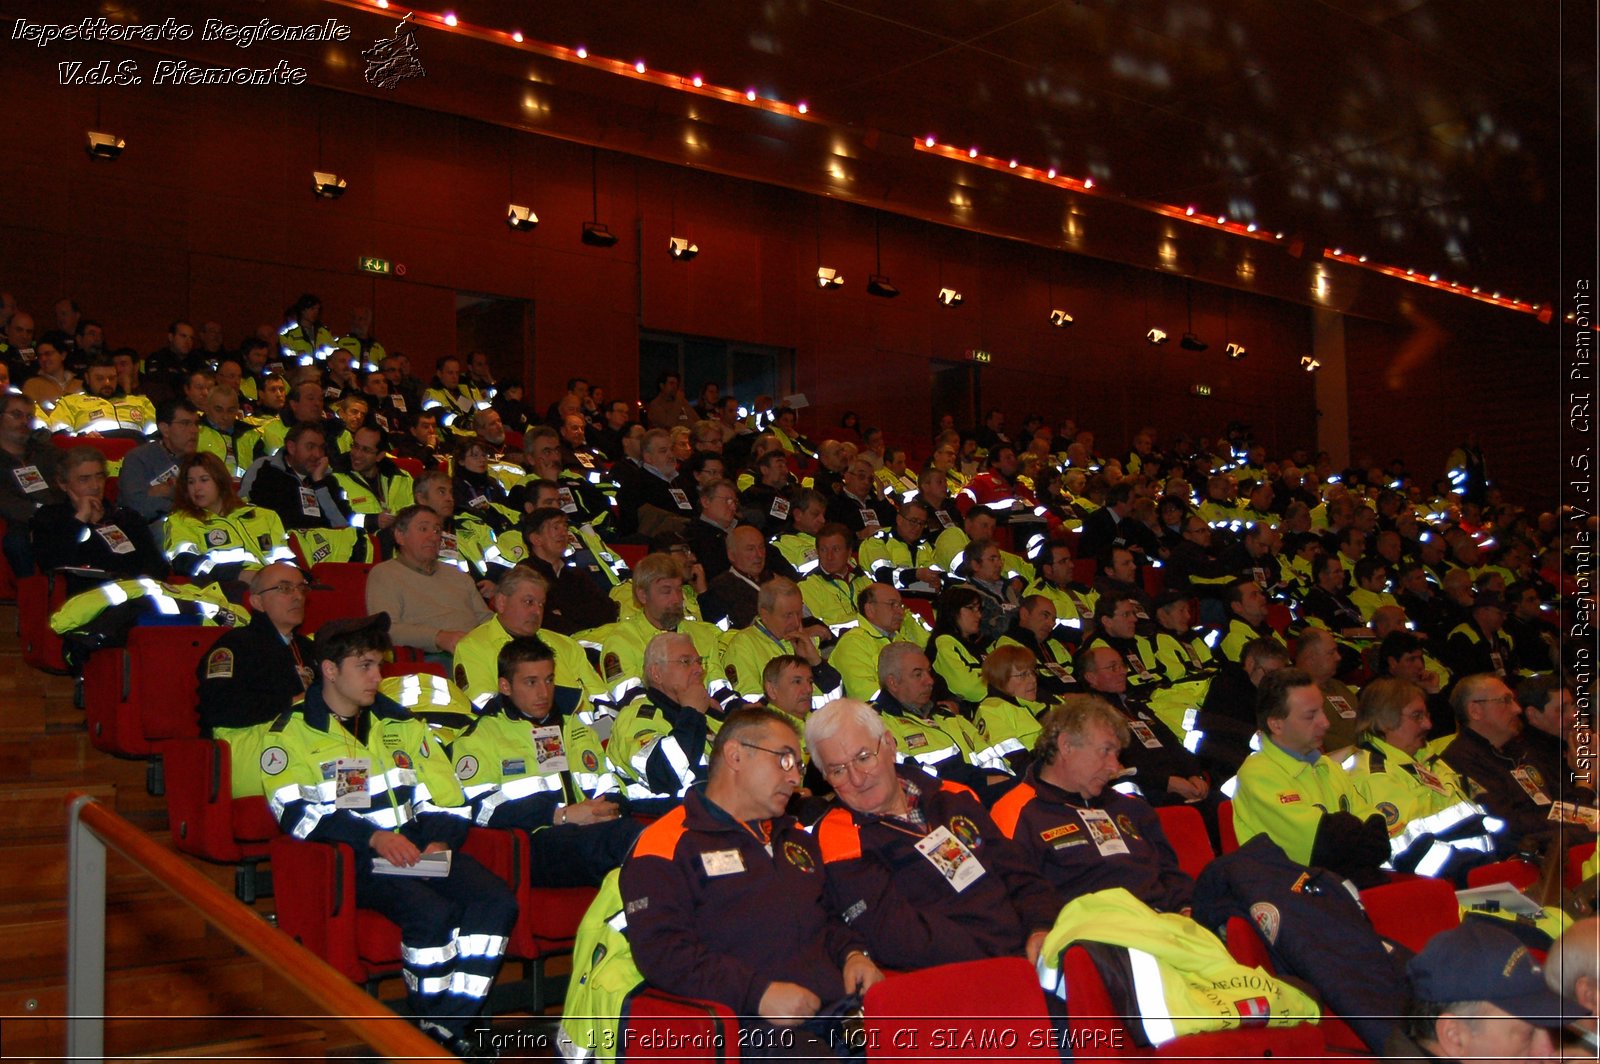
(420, 606)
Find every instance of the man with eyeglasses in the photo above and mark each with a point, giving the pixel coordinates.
(881, 618)
(933, 735)
(913, 862)
(1513, 788)
(902, 555)
(724, 898)
(661, 741)
(780, 628)
(1082, 834)
(255, 673)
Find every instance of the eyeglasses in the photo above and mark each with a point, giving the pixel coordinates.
(686, 662)
(863, 761)
(787, 759)
(913, 520)
(1502, 701)
(287, 588)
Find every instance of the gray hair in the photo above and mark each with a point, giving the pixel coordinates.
(891, 659)
(825, 723)
(659, 650)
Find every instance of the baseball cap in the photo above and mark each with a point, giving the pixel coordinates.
(1481, 962)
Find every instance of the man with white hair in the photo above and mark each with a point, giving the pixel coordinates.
(661, 741)
(913, 863)
(1573, 970)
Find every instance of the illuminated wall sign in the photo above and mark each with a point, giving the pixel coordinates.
(1202, 391)
(373, 264)
(978, 354)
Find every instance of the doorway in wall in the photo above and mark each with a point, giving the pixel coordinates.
(738, 369)
(953, 392)
(500, 327)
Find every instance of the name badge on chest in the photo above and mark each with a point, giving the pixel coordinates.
(549, 749)
(350, 789)
(950, 858)
(722, 862)
(1145, 734)
(680, 497)
(115, 538)
(1103, 832)
(308, 502)
(29, 479)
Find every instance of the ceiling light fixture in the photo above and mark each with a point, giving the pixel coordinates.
(1309, 364)
(105, 146)
(1235, 351)
(681, 249)
(1156, 336)
(1191, 342)
(521, 218)
(326, 185)
(1060, 319)
(828, 277)
(595, 234)
(950, 297)
(877, 283)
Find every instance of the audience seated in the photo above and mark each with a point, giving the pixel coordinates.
(430, 605)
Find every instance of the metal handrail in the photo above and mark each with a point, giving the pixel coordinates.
(93, 828)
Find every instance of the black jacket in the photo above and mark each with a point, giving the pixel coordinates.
(250, 676)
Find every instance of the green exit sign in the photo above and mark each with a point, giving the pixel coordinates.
(978, 354)
(373, 264)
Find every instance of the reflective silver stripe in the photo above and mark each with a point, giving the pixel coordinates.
(487, 807)
(390, 818)
(1153, 1012)
(480, 945)
(523, 786)
(994, 756)
(1231, 786)
(927, 758)
(470, 986)
(427, 956)
(1436, 823)
(677, 757)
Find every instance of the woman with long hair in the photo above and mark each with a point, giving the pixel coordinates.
(212, 535)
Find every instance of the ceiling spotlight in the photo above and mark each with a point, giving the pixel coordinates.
(1235, 350)
(1191, 342)
(950, 297)
(596, 235)
(1309, 364)
(1156, 336)
(521, 218)
(828, 277)
(326, 185)
(105, 146)
(681, 249)
(1060, 319)
(879, 285)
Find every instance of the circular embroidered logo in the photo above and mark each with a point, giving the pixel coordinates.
(466, 767)
(1267, 918)
(590, 762)
(966, 831)
(1391, 814)
(401, 760)
(274, 760)
(1126, 826)
(798, 856)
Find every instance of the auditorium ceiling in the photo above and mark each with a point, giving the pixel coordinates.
(1423, 134)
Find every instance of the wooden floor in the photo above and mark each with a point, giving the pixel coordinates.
(174, 987)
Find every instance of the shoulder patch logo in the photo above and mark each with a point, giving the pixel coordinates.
(461, 676)
(1268, 919)
(274, 760)
(1391, 814)
(401, 759)
(591, 763)
(611, 666)
(466, 767)
(731, 673)
(219, 664)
